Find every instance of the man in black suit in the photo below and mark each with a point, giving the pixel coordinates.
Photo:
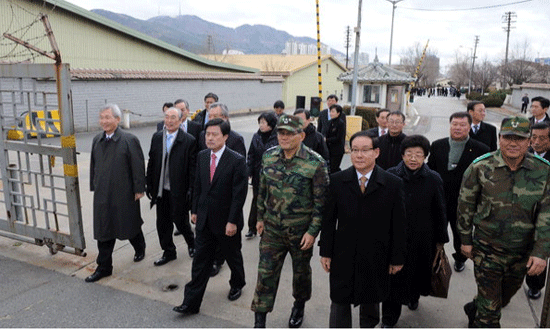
(382, 120)
(390, 143)
(481, 131)
(450, 157)
(219, 194)
(235, 142)
(324, 116)
(362, 278)
(539, 107)
(170, 175)
(202, 117)
(540, 146)
(188, 126)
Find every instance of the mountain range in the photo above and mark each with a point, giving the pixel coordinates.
(199, 36)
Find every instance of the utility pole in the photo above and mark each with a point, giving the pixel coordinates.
(507, 20)
(357, 31)
(472, 68)
(394, 3)
(347, 44)
(319, 71)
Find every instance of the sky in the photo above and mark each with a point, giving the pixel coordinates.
(450, 26)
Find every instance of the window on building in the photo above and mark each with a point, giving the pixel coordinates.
(371, 94)
(326, 68)
(349, 93)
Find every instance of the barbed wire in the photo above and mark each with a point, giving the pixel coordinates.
(24, 28)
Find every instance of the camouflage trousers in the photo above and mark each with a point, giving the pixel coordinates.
(277, 241)
(499, 275)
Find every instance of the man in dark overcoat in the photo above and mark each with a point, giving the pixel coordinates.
(362, 243)
(170, 176)
(117, 178)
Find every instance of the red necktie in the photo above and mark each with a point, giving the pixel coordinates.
(383, 132)
(212, 166)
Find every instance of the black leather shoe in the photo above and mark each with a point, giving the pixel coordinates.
(215, 270)
(97, 275)
(164, 260)
(185, 310)
(413, 305)
(177, 233)
(459, 266)
(191, 252)
(234, 294)
(386, 326)
(470, 310)
(296, 317)
(259, 320)
(250, 234)
(139, 256)
(534, 294)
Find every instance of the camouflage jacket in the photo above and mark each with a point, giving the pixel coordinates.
(293, 191)
(510, 210)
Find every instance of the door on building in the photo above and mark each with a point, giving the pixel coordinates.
(394, 98)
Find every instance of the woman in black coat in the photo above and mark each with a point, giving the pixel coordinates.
(263, 139)
(336, 137)
(426, 227)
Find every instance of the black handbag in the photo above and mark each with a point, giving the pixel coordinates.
(441, 275)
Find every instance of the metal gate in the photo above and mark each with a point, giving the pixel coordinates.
(39, 193)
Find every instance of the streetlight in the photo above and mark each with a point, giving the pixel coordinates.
(394, 3)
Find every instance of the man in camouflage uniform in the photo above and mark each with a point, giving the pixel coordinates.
(504, 194)
(292, 193)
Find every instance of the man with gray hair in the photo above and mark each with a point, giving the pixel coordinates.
(235, 141)
(188, 126)
(117, 178)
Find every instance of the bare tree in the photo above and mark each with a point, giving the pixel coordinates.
(429, 70)
(485, 74)
(459, 72)
(520, 67)
(270, 65)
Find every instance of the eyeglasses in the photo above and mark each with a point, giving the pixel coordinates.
(395, 122)
(286, 133)
(417, 155)
(361, 151)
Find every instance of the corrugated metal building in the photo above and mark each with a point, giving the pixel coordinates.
(113, 63)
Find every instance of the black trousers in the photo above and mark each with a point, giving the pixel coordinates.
(340, 315)
(105, 255)
(524, 107)
(205, 250)
(166, 218)
(253, 215)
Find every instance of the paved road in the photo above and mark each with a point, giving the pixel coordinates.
(42, 290)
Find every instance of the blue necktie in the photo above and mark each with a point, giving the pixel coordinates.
(169, 139)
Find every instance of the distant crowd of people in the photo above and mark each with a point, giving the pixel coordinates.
(381, 221)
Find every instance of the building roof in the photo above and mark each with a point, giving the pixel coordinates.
(79, 11)
(114, 74)
(377, 72)
(274, 63)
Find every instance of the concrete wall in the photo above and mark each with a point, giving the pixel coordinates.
(147, 97)
(518, 91)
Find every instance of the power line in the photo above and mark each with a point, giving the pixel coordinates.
(465, 9)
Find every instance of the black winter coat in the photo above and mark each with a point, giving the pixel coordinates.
(426, 226)
(363, 234)
(390, 150)
(255, 153)
(316, 141)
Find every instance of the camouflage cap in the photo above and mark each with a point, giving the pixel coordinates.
(515, 126)
(290, 123)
